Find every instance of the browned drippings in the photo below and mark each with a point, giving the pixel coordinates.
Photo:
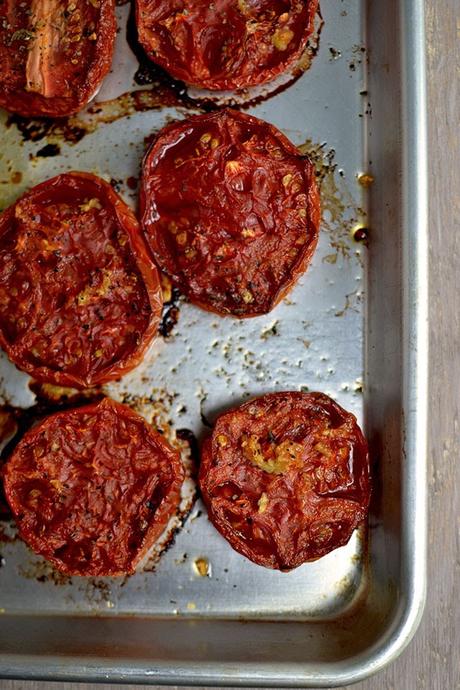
(49, 396)
(163, 91)
(6, 538)
(170, 313)
(48, 151)
(42, 571)
(37, 129)
(340, 213)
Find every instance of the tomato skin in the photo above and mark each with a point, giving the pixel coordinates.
(285, 478)
(238, 45)
(80, 297)
(230, 210)
(73, 49)
(93, 488)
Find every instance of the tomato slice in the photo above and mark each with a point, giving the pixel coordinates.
(54, 55)
(285, 478)
(230, 44)
(231, 211)
(93, 488)
(80, 298)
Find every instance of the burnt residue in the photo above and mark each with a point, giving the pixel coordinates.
(7, 535)
(204, 419)
(359, 54)
(162, 91)
(182, 517)
(48, 151)
(42, 571)
(5, 512)
(171, 92)
(73, 128)
(97, 592)
(37, 129)
(52, 398)
(116, 184)
(335, 53)
(19, 421)
(189, 437)
(170, 313)
(153, 561)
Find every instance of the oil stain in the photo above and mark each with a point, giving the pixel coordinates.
(352, 302)
(340, 212)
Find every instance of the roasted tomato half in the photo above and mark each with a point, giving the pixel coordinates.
(285, 478)
(93, 488)
(53, 55)
(231, 211)
(231, 44)
(80, 298)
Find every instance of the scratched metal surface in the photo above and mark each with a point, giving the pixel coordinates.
(314, 340)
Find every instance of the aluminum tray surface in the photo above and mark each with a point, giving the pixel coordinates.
(346, 330)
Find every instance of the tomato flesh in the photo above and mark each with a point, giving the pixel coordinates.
(93, 488)
(227, 44)
(231, 211)
(80, 298)
(285, 478)
(54, 55)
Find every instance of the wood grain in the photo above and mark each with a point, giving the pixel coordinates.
(432, 662)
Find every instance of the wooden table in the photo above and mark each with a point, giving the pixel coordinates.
(432, 662)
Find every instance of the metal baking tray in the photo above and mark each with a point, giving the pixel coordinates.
(355, 327)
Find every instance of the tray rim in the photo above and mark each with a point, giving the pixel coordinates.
(405, 621)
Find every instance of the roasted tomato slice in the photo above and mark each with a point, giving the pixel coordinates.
(231, 211)
(227, 45)
(285, 478)
(80, 298)
(53, 55)
(93, 488)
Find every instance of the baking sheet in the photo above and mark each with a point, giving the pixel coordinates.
(319, 338)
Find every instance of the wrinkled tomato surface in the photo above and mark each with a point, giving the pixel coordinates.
(53, 55)
(93, 488)
(285, 478)
(228, 44)
(231, 211)
(80, 298)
